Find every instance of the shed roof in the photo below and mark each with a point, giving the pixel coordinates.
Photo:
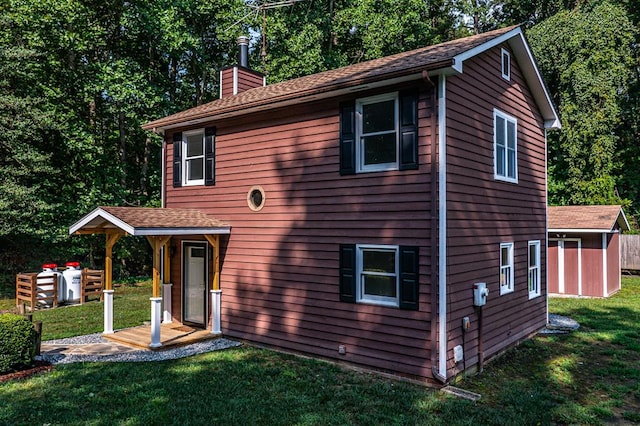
(586, 218)
(149, 221)
(445, 58)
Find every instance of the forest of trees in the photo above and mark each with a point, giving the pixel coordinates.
(78, 78)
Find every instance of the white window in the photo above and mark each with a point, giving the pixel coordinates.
(505, 147)
(377, 133)
(193, 158)
(534, 269)
(506, 65)
(377, 275)
(506, 268)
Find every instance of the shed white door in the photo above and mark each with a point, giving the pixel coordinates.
(194, 291)
(569, 266)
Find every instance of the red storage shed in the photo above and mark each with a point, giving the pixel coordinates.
(584, 250)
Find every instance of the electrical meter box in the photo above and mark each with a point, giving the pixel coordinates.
(480, 293)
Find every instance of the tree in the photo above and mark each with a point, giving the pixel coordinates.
(79, 79)
(313, 36)
(586, 57)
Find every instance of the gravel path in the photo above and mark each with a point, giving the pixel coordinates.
(131, 356)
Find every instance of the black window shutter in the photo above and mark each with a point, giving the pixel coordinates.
(348, 138)
(348, 273)
(210, 156)
(177, 159)
(409, 278)
(409, 130)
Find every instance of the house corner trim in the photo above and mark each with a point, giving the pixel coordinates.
(442, 228)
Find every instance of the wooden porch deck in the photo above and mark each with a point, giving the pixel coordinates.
(171, 335)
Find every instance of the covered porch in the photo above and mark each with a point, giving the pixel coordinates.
(159, 226)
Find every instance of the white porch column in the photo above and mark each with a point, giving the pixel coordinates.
(155, 322)
(215, 308)
(108, 312)
(166, 300)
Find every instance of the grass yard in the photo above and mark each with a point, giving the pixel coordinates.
(131, 307)
(589, 377)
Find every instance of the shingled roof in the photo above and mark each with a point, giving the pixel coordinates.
(149, 221)
(586, 218)
(411, 64)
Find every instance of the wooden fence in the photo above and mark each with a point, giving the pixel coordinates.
(630, 252)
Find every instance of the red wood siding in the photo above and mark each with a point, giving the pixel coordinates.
(279, 276)
(226, 85)
(592, 257)
(483, 212)
(248, 79)
(571, 264)
(613, 264)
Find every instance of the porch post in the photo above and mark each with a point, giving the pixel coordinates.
(156, 243)
(215, 307)
(216, 293)
(112, 238)
(166, 300)
(155, 322)
(166, 285)
(108, 312)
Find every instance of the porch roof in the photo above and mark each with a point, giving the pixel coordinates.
(149, 221)
(599, 219)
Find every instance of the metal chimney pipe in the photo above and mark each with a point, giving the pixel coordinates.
(243, 51)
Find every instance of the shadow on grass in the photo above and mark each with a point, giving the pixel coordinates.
(235, 387)
(588, 377)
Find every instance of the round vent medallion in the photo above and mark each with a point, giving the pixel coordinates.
(256, 198)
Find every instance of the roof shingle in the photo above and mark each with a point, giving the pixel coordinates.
(586, 217)
(401, 64)
(149, 221)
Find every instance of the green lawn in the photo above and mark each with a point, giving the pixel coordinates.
(589, 377)
(131, 307)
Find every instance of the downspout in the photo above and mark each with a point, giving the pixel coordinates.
(442, 229)
(163, 256)
(164, 163)
(546, 226)
(433, 225)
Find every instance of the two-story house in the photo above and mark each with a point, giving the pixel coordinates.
(363, 205)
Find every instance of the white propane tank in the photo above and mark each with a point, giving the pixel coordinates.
(44, 282)
(72, 277)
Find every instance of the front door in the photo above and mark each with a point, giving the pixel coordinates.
(194, 291)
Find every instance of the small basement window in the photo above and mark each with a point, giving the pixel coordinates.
(256, 198)
(506, 65)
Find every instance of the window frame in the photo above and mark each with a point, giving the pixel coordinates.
(185, 159)
(507, 119)
(361, 297)
(505, 54)
(536, 269)
(509, 288)
(359, 148)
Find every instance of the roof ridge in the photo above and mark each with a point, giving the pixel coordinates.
(401, 64)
